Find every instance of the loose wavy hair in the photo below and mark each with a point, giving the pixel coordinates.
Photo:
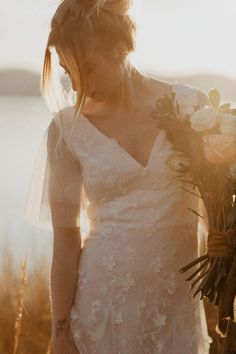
(80, 27)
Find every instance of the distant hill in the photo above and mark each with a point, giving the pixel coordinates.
(205, 82)
(23, 82)
(19, 82)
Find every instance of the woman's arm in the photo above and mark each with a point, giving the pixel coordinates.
(64, 273)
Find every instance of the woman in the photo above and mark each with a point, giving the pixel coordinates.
(121, 292)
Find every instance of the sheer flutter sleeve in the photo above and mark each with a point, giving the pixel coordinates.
(54, 195)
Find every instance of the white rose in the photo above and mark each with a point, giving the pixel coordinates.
(220, 149)
(228, 124)
(186, 97)
(186, 110)
(204, 119)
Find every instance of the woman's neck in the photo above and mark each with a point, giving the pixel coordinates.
(133, 88)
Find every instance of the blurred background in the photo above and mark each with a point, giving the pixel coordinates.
(177, 40)
(187, 41)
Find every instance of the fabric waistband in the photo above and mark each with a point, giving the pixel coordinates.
(99, 229)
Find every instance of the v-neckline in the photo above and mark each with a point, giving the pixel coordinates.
(115, 141)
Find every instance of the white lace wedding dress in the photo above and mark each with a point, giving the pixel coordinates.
(130, 297)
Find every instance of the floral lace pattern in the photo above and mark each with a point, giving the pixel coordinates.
(133, 294)
(130, 297)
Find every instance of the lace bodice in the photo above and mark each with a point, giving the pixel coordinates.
(119, 189)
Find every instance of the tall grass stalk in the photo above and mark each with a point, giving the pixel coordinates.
(21, 307)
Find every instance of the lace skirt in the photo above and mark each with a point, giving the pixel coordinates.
(131, 299)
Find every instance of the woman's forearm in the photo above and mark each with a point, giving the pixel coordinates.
(64, 274)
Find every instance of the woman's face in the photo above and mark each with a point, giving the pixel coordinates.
(104, 75)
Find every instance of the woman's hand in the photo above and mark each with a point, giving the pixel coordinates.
(64, 345)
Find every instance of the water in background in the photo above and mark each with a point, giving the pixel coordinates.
(23, 122)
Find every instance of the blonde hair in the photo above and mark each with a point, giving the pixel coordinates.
(79, 27)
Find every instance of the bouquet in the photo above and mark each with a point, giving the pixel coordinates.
(204, 149)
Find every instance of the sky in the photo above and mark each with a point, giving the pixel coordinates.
(174, 37)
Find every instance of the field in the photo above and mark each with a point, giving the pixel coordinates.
(25, 321)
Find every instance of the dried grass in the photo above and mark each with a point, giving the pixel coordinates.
(25, 316)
